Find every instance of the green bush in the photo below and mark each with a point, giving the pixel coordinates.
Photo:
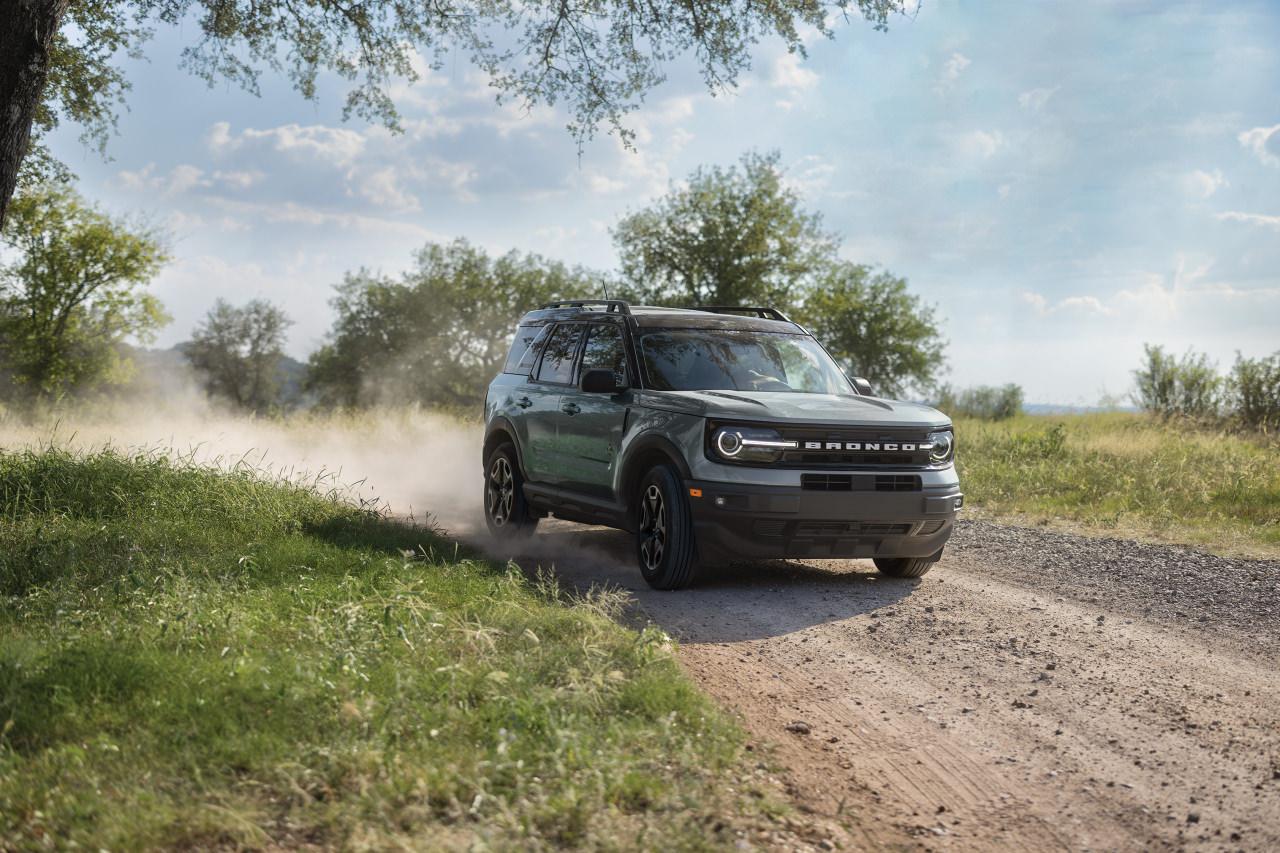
(1254, 389)
(985, 402)
(1173, 387)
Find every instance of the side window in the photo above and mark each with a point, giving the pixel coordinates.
(604, 350)
(525, 349)
(559, 353)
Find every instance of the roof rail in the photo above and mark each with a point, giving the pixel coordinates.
(762, 312)
(612, 306)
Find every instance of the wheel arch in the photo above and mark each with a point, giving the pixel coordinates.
(644, 453)
(501, 431)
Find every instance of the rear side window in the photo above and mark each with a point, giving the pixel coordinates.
(524, 349)
(604, 350)
(558, 355)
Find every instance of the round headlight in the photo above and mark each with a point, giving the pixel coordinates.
(729, 442)
(943, 446)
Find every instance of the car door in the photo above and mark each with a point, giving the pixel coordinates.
(591, 428)
(554, 375)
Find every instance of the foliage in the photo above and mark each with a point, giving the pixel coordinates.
(256, 665)
(238, 353)
(734, 236)
(598, 59)
(73, 292)
(1172, 387)
(875, 327)
(1254, 391)
(83, 85)
(1127, 473)
(440, 333)
(983, 401)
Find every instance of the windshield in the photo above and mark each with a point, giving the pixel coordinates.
(723, 360)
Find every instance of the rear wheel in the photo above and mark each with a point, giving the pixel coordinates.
(505, 511)
(905, 567)
(664, 530)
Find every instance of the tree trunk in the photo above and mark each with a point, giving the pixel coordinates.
(27, 28)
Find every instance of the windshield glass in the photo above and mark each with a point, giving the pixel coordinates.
(723, 360)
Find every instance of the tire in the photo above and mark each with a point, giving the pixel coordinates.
(505, 511)
(664, 530)
(906, 567)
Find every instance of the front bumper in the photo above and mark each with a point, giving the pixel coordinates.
(737, 521)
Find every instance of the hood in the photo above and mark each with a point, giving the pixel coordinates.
(827, 409)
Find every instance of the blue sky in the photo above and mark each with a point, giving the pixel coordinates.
(1065, 181)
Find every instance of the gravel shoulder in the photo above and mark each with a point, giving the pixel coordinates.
(1036, 689)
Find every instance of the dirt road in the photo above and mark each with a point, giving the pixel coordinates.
(1035, 690)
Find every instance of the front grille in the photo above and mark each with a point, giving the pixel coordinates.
(833, 458)
(860, 482)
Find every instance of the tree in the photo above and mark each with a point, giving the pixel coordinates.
(875, 327)
(74, 292)
(735, 236)
(1254, 388)
(599, 58)
(440, 333)
(238, 351)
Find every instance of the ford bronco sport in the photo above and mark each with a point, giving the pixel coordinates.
(711, 434)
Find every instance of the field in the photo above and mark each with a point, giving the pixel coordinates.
(193, 657)
(1129, 475)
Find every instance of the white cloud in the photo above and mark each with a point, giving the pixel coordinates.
(337, 145)
(1263, 142)
(382, 188)
(953, 68)
(1034, 100)
(979, 144)
(790, 75)
(1263, 219)
(1085, 304)
(183, 178)
(811, 176)
(1202, 184)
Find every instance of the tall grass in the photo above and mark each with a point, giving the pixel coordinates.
(1128, 473)
(191, 657)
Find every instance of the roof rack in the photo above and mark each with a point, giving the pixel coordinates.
(760, 311)
(612, 306)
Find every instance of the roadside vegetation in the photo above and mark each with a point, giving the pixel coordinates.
(193, 657)
(1128, 474)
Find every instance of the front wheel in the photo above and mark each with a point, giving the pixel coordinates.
(905, 567)
(505, 512)
(664, 530)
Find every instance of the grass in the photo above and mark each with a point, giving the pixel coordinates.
(191, 657)
(1130, 474)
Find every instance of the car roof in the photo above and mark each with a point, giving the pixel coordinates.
(658, 317)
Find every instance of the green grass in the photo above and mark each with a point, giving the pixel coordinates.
(201, 658)
(1130, 474)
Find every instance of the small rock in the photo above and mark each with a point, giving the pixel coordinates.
(1193, 817)
(799, 727)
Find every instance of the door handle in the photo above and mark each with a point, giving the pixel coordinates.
(524, 402)
(570, 408)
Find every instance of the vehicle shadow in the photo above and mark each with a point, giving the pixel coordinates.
(728, 603)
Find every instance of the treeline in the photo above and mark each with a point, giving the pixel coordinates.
(437, 333)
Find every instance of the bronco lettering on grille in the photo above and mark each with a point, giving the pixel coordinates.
(868, 446)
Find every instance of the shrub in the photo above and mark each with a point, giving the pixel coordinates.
(1253, 390)
(983, 401)
(1173, 387)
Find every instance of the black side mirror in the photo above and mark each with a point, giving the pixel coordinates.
(599, 380)
(863, 386)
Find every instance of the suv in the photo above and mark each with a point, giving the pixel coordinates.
(711, 434)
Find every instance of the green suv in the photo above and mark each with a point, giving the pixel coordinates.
(711, 435)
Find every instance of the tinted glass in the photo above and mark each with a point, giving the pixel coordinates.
(604, 350)
(722, 360)
(524, 349)
(558, 354)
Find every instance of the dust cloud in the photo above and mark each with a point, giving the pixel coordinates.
(415, 463)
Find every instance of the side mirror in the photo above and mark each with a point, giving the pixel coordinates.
(863, 386)
(599, 380)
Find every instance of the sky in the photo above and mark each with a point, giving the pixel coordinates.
(1063, 181)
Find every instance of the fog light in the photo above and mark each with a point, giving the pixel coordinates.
(958, 502)
(720, 500)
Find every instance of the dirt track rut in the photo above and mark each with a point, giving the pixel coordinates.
(1035, 690)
